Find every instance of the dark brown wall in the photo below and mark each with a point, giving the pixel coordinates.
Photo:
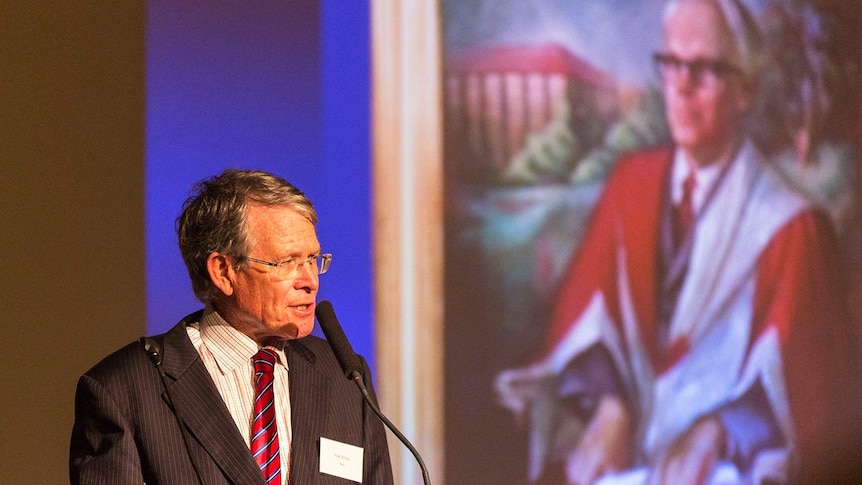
(71, 215)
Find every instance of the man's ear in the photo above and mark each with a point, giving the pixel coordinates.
(221, 272)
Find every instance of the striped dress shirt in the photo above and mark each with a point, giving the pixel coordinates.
(227, 354)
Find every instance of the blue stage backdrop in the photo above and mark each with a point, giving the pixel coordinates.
(280, 86)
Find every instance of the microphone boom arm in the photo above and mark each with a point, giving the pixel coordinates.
(357, 378)
(351, 364)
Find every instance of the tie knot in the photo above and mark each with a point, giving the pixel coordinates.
(684, 217)
(264, 360)
(686, 204)
(688, 185)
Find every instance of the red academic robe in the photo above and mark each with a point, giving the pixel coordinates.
(787, 301)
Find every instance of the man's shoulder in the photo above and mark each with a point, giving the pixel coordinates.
(648, 161)
(122, 369)
(126, 353)
(119, 364)
(640, 173)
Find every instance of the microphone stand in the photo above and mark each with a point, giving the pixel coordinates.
(350, 364)
(357, 378)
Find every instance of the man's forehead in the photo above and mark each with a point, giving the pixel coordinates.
(697, 29)
(256, 210)
(278, 220)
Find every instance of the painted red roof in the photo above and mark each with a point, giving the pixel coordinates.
(546, 58)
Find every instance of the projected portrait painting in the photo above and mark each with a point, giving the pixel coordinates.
(652, 240)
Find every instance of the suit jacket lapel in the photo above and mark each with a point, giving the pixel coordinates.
(201, 408)
(309, 401)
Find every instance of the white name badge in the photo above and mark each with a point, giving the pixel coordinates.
(341, 460)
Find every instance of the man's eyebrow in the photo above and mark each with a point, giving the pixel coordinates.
(299, 254)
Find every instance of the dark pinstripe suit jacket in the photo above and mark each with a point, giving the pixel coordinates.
(125, 432)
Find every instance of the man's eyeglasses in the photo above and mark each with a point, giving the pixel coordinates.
(318, 264)
(701, 71)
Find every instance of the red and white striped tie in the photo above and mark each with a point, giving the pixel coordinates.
(264, 433)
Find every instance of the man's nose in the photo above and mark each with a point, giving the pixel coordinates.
(685, 79)
(306, 276)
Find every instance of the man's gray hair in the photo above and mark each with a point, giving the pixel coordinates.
(744, 30)
(213, 219)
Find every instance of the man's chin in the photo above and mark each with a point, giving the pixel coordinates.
(685, 138)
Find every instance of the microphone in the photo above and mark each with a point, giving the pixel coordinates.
(352, 367)
(154, 352)
(151, 348)
(347, 358)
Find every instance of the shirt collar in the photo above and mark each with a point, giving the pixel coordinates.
(705, 177)
(229, 347)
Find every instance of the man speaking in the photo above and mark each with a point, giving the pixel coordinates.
(237, 393)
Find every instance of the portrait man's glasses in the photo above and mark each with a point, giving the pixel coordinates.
(701, 71)
(318, 263)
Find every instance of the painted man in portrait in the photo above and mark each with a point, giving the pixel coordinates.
(700, 333)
